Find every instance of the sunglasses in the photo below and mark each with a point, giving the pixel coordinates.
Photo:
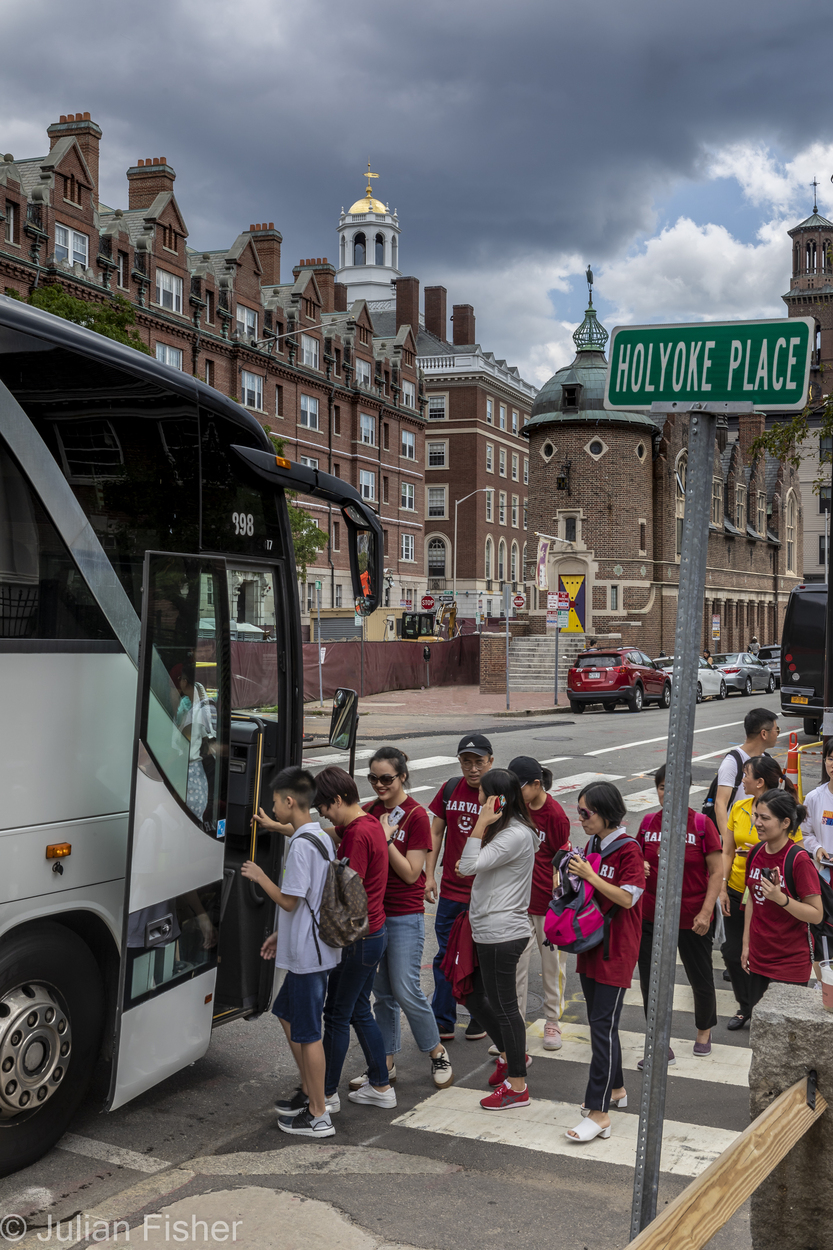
(584, 813)
(386, 779)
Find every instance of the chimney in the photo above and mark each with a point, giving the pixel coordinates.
(435, 311)
(325, 276)
(463, 318)
(267, 241)
(407, 304)
(339, 297)
(86, 132)
(147, 179)
(750, 426)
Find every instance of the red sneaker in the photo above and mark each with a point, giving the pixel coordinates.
(501, 1069)
(504, 1098)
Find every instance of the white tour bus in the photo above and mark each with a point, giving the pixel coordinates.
(151, 676)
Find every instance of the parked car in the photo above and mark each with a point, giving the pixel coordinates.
(744, 672)
(711, 684)
(617, 675)
(771, 656)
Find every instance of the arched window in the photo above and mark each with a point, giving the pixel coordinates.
(436, 558)
(394, 252)
(792, 512)
(513, 563)
(380, 249)
(827, 256)
(343, 251)
(523, 565)
(489, 559)
(501, 561)
(811, 256)
(796, 261)
(359, 249)
(679, 497)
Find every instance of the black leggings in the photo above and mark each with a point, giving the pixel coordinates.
(696, 954)
(759, 984)
(494, 1000)
(731, 951)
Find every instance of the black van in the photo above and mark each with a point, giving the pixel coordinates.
(802, 655)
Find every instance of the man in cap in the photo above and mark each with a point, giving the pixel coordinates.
(455, 809)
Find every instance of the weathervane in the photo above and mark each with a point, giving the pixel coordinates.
(589, 277)
(814, 184)
(369, 190)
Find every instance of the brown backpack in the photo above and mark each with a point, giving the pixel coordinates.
(342, 917)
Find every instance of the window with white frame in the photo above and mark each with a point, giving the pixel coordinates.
(513, 563)
(367, 484)
(501, 508)
(436, 407)
(409, 394)
(761, 512)
(490, 458)
(169, 355)
(338, 602)
(75, 247)
(501, 461)
(514, 422)
(526, 472)
(310, 348)
(501, 561)
(367, 429)
(740, 507)
(490, 505)
(717, 501)
(515, 512)
(614, 598)
(436, 501)
(10, 230)
(407, 497)
(409, 445)
(246, 322)
(309, 412)
(407, 547)
(169, 290)
(526, 514)
(309, 461)
(515, 467)
(490, 411)
(488, 566)
(503, 416)
(792, 516)
(251, 385)
(362, 372)
(436, 455)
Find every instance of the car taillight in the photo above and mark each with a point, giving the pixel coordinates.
(731, 670)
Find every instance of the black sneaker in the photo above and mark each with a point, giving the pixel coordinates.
(474, 1031)
(291, 1106)
(304, 1124)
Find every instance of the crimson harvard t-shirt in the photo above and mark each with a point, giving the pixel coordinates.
(460, 816)
(622, 867)
(695, 869)
(553, 833)
(779, 945)
(364, 845)
(412, 834)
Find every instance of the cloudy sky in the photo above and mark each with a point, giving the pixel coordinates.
(669, 143)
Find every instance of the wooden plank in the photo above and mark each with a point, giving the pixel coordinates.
(708, 1202)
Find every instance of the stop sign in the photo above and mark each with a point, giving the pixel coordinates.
(428, 603)
(519, 601)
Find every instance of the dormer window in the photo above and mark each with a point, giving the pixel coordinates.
(309, 309)
(169, 238)
(72, 189)
(569, 398)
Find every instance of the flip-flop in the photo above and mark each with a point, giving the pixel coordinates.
(587, 1131)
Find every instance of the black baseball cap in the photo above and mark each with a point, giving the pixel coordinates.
(476, 743)
(526, 769)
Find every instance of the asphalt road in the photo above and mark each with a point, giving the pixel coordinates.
(434, 1173)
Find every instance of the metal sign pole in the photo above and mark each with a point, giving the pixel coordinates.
(557, 632)
(675, 808)
(506, 619)
(320, 675)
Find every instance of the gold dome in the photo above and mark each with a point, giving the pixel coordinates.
(368, 205)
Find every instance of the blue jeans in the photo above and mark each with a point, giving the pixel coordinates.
(397, 985)
(348, 1002)
(443, 1003)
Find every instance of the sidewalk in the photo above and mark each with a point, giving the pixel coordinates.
(450, 709)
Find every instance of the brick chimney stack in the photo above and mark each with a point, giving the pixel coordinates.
(463, 319)
(407, 304)
(86, 132)
(435, 311)
(325, 276)
(267, 241)
(750, 425)
(339, 297)
(147, 179)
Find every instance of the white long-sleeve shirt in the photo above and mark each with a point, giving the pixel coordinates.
(817, 829)
(502, 873)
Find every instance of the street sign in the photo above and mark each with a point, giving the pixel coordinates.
(715, 629)
(715, 362)
(519, 601)
(428, 603)
(318, 585)
(563, 601)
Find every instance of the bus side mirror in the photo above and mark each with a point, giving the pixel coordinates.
(365, 540)
(344, 722)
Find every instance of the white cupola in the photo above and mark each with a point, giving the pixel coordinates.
(368, 250)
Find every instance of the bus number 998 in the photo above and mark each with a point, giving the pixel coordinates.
(244, 523)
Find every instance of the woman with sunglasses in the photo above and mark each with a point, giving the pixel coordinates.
(397, 983)
(620, 882)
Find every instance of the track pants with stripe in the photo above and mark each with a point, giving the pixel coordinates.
(604, 1007)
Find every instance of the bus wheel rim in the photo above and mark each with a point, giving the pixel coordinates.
(35, 1048)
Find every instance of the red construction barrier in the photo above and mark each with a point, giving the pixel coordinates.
(391, 665)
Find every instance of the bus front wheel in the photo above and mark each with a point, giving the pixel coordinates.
(51, 1019)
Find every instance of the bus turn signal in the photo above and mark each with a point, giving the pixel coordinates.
(59, 850)
(282, 463)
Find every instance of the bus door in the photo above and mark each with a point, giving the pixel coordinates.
(177, 824)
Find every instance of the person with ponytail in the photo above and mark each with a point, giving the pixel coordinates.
(760, 774)
(397, 983)
(780, 905)
(553, 828)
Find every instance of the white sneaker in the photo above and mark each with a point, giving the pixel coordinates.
(373, 1097)
(493, 1050)
(552, 1036)
(441, 1070)
(358, 1081)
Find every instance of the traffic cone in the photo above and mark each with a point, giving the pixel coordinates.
(791, 769)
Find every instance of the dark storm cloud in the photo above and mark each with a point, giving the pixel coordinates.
(500, 129)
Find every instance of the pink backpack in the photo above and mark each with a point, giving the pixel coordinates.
(574, 921)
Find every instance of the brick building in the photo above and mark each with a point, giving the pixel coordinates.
(344, 397)
(611, 486)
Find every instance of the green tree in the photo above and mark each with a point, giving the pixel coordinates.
(113, 318)
(786, 440)
(307, 539)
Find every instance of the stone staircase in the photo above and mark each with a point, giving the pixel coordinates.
(532, 661)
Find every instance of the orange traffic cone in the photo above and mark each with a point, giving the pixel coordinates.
(791, 769)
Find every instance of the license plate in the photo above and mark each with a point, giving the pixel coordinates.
(798, 698)
(594, 675)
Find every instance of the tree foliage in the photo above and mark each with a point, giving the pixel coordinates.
(307, 539)
(113, 318)
(786, 440)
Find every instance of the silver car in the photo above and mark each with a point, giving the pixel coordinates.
(771, 656)
(744, 672)
(711, 684)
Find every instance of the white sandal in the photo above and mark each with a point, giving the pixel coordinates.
(618, 1103)
(587, 1131)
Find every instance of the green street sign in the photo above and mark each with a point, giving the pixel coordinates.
(765, 362)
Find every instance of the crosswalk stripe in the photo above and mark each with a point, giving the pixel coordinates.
(684, 1000)
(641, 800)
(726, 1065)
(563, 785)
(109, 1153)
(556, 759)
(687, 1149)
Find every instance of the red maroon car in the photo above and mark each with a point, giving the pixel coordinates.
(617, 675)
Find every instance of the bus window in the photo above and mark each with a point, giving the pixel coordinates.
(255, 639)
(42, 594)
(239, 514)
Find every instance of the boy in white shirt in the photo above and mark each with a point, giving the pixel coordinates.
(296, 947)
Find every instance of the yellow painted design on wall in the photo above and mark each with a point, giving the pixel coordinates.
(575, 588)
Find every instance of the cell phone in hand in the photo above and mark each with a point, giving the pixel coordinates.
(500, 802)
(396, 815)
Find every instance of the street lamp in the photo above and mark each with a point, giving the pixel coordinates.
(480, 491)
